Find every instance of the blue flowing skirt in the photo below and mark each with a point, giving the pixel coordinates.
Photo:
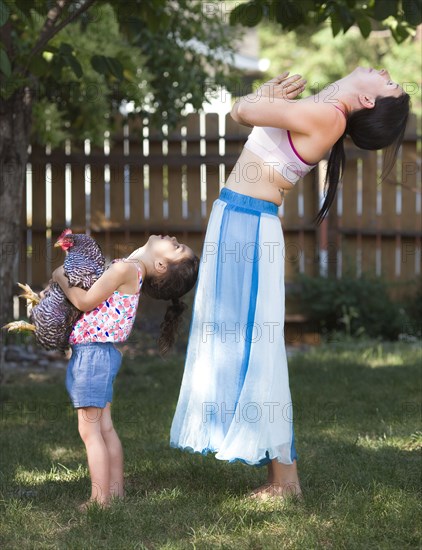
(235, 398)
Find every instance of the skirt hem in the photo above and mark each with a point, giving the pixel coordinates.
(261, 462)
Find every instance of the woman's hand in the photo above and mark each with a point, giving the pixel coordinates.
(280, 87)
(283, 86)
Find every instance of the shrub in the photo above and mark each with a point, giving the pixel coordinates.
(352, 305)
(413, 307)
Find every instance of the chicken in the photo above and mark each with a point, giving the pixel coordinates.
(53, 316)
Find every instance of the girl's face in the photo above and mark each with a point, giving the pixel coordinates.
(376, 82)
(168, 248)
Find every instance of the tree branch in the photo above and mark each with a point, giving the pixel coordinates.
(52, 17)
(50, 29)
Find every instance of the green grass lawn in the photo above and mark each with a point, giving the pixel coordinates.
(357, 416)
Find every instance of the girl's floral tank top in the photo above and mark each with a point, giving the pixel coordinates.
(111, 321)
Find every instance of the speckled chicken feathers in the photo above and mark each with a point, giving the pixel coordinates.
(55, 315)
(87, 265)
(53, 319)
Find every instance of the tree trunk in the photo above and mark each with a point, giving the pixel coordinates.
(15, 126)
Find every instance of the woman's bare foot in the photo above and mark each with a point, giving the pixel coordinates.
(276, 490)
(283, 482)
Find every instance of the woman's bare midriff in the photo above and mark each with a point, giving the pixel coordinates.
(250, 176)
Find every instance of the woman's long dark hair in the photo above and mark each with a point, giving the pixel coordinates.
(377, 128)
(179, 278)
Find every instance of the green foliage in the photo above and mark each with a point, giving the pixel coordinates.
(320, 58)
(5, 66)
(87, 103)
(49, 124)
(184, 66)
(400, 17)
(413, 306)
(355, 306)
(158, 54)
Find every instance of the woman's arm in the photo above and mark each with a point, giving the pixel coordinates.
(86, 300)
(273, 105)
(281, 86)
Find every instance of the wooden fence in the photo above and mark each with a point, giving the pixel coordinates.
(146, 181)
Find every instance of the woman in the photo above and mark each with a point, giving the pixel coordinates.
(235, 397)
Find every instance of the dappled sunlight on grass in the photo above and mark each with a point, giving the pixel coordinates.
(165, 495)
(66, 453)
(245, 506)
(411, 443)
(39, 377)
(357, 430)
(379, 357)
(57, 472)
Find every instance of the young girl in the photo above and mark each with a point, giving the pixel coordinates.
(235, 398)
(166, 270)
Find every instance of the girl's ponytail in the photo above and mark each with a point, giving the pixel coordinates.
(170, 325)
(179, 278)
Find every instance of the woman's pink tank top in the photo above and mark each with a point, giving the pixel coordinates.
(275, 147)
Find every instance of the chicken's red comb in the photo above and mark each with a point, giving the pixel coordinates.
(64, 234)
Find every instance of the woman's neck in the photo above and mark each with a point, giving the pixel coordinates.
(343, 93)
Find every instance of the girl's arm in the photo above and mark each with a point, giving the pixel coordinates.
(86, 300)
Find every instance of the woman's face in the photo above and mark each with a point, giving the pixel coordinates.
(376, 82)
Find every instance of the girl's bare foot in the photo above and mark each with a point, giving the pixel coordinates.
(114, 499)
(91, 502)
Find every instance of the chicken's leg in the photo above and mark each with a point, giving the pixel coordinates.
(29, 294)
(19, 326)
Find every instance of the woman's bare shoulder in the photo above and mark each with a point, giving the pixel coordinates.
(304, 116)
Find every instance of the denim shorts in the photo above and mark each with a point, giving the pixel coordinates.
(91, 372)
